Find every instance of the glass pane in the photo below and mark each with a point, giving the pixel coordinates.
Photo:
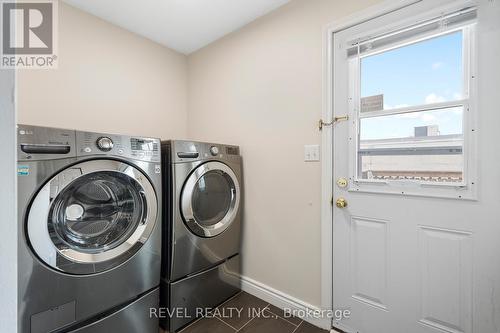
(426, 72)
(97, 212)
(212, 197)
(423, 146)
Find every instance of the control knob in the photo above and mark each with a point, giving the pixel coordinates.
(104, 143)
(214, 151)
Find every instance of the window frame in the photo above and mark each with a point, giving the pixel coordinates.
(465, 189)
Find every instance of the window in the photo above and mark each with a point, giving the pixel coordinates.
(426, 72)
(410, 99)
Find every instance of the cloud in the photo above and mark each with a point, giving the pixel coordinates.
(457, 96)
(422, 116)
(427, 117)
(434, 98)
(437, 65)
(410, 115)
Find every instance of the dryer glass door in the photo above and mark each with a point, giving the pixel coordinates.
(97, 214)
(210, 199)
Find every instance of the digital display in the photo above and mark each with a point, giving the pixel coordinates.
(232, 150)
(144, 145)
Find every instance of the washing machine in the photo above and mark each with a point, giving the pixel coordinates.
(201, 228)
(89, 231)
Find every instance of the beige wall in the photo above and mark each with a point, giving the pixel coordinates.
(261, 88)
(108, 80)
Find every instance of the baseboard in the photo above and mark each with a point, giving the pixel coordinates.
(282, 301)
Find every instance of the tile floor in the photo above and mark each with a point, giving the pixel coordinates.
(255, 316)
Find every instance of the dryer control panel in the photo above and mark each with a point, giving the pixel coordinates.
(189, 151)
(139, 148)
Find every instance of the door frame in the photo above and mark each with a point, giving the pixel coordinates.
(8, 200)
(327, 182)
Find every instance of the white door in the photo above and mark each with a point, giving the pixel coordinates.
(417, 248)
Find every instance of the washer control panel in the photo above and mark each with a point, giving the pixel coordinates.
(145, 149)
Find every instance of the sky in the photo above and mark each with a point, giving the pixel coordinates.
(426, 72)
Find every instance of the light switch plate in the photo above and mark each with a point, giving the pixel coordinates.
(311, 153)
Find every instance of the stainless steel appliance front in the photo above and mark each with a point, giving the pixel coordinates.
(205, 218)
(88, 226)
(202, 226)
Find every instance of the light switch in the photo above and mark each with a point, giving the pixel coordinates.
(311, 153)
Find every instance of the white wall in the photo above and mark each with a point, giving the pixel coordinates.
(108, 80)
(260, 88)
(8, 208)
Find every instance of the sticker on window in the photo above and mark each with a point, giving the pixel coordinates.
(372, 103)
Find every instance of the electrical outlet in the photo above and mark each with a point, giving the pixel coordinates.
(311, 153)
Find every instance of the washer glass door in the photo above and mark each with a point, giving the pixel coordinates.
(97, 215)
(210, 199)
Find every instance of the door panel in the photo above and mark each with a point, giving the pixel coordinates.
(445, 279)
(369, 253)
(411, 256)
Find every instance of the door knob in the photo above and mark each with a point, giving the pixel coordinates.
(341, 203)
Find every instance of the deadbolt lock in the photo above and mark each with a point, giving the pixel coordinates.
(341, 203)
(342, 182)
